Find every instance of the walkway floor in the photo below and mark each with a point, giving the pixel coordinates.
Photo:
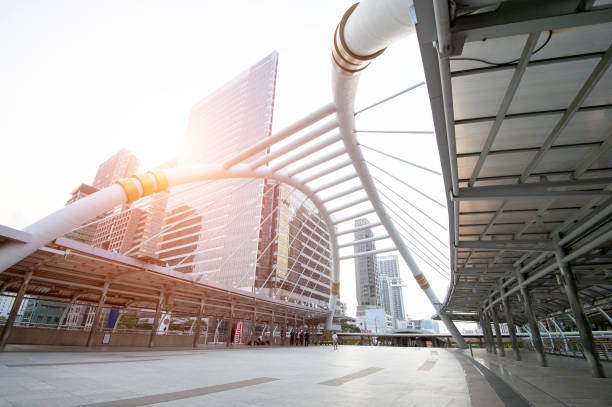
(566, 382)
(263, 376)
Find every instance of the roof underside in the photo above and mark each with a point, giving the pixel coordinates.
(533, 130)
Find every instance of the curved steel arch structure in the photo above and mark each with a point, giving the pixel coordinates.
(363, 33)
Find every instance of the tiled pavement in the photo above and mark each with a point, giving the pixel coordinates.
(266, 376)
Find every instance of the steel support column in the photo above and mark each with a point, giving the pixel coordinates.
(584, 328)
(490, 333)
(605, 315)
(14, 310)
(158, 310)
(500, 341)
(533, 322)
(511, 326)
(198, 322)
(98, 314)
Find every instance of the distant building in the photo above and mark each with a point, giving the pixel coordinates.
(121, 165)
(426, 325)
(374, 320)
(39, 311)
(6, 303)
(366, 271)
(83, 234)
(391, 287)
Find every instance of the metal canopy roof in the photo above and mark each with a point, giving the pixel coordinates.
(529, 123)
(72, 270)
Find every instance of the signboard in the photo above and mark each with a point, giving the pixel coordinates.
(164, 323)
(238, 331)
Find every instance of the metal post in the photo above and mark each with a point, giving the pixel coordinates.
(231, 321)
(254, 324)
(198, 322)
(531, 317)
(500, 341)
(14, 310)
(510, 323)
(98, 314)
(584, 328)
(485, 334)
(490, 333)
(158, 310)
(605, 315)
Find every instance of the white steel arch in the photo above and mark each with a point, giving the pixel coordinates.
(361, 36)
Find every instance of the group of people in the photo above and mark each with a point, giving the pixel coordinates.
(300, 338)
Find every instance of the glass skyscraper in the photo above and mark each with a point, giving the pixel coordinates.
(391, 286)
(223, 245)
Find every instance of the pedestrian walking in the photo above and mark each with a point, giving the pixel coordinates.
(306, 338)
(335, 340)
(292, 338)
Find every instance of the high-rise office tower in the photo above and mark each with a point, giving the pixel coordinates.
(294, 256)
(225, 246)
(366, 271)
(391, 286)
(121, 165)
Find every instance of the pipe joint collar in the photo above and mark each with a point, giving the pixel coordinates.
(347, 61)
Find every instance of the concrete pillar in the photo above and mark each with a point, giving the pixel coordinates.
(500, 341)
(510, 323)
(98, 315)
(14, 310)
(198, 322)
(586, 335)
(158, 311)
(531, 318)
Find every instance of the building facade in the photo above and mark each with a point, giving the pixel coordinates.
(366, 271)
(121, 165)
(391, 286)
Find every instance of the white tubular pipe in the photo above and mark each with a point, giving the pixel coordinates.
(61, 222)
(72, 216)
(364, 35)
(368, 29)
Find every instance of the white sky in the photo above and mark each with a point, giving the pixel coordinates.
(80, 80)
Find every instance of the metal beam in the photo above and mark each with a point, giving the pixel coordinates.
(354, 216)
(281, 135)
(342, 193)
(326, 171)
(368, 253)
(533, 322)
(597, 73)
(505, 104)
(349, 204)
(510, 324)
(358, 228)
(538, 113)
(369, 239)
(510, 245)
(337, 181)
(532, 63)
(500, 341)
(484, 271)
(594, 156)
(584, 327)
(311, 135)
(536, 190)
(516, 18)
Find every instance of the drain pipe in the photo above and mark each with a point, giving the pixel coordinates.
(363, 34)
